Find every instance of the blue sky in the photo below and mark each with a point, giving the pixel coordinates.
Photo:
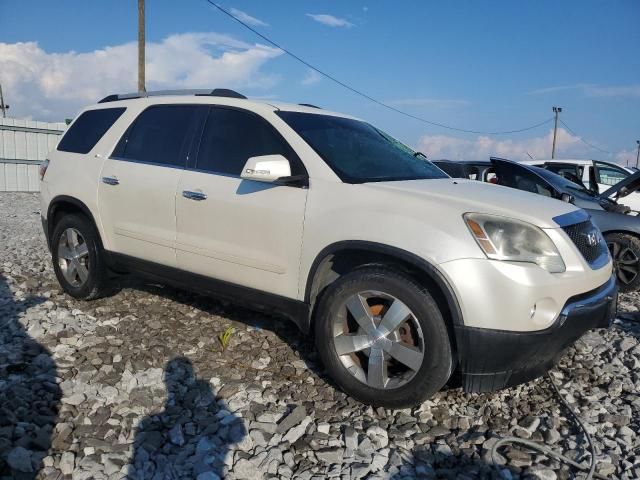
(480, 65)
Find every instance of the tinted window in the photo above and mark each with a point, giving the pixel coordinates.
(88, 129)
(161, 134)
(358, 152)
(516, 176)
(231, 137)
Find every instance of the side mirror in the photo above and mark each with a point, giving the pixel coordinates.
(266, 168)
(565, 197)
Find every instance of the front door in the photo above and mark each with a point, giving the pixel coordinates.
(241, 231)
(138, 183)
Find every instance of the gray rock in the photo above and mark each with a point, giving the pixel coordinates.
(294, 418)
(330, 455)
(246, 470)
(19, 459)
(67, 463)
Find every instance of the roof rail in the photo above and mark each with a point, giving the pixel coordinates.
(309, 105)
(216, 92)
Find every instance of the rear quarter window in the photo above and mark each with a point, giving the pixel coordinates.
(88, 129)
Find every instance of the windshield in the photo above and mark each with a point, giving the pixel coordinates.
(561, 183)
(357, 152)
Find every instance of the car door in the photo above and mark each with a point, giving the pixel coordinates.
(514, 175)
(572, 172)
(244, 232)
(136, 196)
(608, 175)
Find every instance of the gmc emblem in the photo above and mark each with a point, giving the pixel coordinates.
(593, 239)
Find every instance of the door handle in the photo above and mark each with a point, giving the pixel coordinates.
(110, 180)
(191, 195)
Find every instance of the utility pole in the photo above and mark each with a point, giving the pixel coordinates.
(638, 154)
(141, 79)
(556, 111)
(3, 107)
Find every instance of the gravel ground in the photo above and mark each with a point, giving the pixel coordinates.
(138, 385)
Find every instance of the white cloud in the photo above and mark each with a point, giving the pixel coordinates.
(591, 90)
(626, 157)
(248, 19)
(52, 86)
(330, 20)
(421, 102)
(613, 91)
(311, 78)
(483, 147)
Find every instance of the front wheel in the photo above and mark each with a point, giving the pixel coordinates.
(625, 252)
(382, 338)
(78, 259)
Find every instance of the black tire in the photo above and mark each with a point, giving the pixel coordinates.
(625, 250)
(97, 283)
(437, 363)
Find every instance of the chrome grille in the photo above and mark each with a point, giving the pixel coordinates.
(588, 239)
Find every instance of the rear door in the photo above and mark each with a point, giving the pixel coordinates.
(242, 231)
(572, 172)
(138, 183)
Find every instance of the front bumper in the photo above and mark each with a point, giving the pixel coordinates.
(494, 359)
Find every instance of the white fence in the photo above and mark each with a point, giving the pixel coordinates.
(24, 144)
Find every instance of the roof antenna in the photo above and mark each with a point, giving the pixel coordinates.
(530, 156)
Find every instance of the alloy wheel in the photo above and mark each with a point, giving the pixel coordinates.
(73, 257)
(625, 262)
(378, 339)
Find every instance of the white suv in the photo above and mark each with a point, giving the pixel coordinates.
(407, 278)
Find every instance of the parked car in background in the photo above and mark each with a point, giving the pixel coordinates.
(620, 229)
(595, 175)
(472, 170)
(404, 275)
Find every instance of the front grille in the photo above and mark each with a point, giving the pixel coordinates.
(583, 235)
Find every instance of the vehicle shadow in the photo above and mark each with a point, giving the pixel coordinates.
(29, 394)
(191, 436)
(628, 322)
(281, 326)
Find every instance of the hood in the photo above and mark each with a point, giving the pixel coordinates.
(464, 196)
(623, 187)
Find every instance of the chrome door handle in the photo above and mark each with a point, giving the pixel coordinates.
(191, 195)
(110, 180)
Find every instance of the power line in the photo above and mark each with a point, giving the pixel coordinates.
(364, 95)
(583, 140)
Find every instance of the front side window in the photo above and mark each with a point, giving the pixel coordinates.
(161, 134)
(357, 152)
(231, 137)
(610, 175)
(88, 129)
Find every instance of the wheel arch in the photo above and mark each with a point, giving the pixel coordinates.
(65, 204)
(341, 257)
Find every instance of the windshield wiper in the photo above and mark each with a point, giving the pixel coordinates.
(419, 154)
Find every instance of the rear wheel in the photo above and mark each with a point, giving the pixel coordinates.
(78, 259)
(625, 251)
(382, 338)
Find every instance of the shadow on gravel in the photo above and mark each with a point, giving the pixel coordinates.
(426, 464)
(629, 322)
(191, 436)
(284, 328)
(29, 394)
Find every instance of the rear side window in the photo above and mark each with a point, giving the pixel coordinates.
(88, 129)
(161, 134)
(231, 137)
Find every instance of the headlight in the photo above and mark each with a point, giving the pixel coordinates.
(504, 238)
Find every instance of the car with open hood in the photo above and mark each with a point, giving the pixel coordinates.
(620, 227)
(405, 277)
